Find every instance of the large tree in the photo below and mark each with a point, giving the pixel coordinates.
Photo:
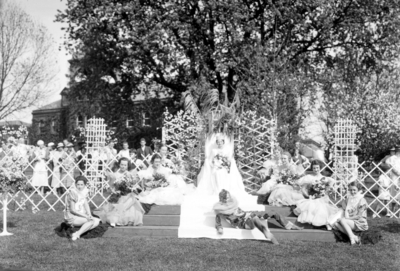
(174, 43)
(27, 62)
(180, 44)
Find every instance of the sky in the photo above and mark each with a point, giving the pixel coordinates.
(44, 11)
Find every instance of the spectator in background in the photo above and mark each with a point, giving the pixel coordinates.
(56, 158)
(384, 165)
(49, 161)
(39, 178)
(144, 152)
(125, 151)
(111, 153)
(136, 164)
(81, 156)
(393, 164)
(384, 182)
(68, 166)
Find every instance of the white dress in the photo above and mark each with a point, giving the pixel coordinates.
(56, 178)
(39, 177)
(172, 194)
(214, 177)
(197, 214)
(316, 210)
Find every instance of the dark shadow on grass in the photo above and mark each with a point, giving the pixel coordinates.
(13, 269)
(9, 225)
(390, 227)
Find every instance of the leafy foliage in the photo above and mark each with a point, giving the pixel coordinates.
(280, 55)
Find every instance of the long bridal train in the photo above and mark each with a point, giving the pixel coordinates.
(218, 172)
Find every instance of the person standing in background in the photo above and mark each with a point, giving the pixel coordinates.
(144, 152)
(125, 151)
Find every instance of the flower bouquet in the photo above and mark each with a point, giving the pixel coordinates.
(123, 186)
(288, 177)
(176, 166)
(221, 161)
(156, 180)
(317, 190)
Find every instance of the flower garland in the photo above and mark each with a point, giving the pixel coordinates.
(12, 180)
(6, 132)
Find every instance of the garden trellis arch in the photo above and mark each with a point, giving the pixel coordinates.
(253, 135)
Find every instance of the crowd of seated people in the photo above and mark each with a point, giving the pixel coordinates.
(289, 179)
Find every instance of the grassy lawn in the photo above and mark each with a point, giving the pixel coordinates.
(34, 246)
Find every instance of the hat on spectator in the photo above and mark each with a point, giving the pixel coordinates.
(40, 143)
(393, 149)
(70, 145)
(51, 144)
(60, 145)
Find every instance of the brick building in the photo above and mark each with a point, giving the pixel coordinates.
(60, 119)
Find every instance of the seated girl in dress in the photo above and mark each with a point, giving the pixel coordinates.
(316, 209)
(77, 211)
(162, 185)
(286, 168)
(355, 214)
(301, 162)
(126, 210)
(267, 169)
(283, 187)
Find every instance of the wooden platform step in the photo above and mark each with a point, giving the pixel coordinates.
(172, 232)
(165, 210)
(163, 222)
(176, 210)
(174, 220)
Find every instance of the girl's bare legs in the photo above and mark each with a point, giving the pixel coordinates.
(264, 229)
(85, 225)
(346, 226)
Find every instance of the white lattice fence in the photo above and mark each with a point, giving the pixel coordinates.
(56, 170)
(48, 175)
(184, 136)
(254, 143)
(381, 189)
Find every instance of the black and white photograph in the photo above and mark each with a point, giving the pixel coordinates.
(199, 135)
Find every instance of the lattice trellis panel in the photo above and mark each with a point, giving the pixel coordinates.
(254, 144)
(184, 135)
(345, 161)
(95, 165)
(254, 141)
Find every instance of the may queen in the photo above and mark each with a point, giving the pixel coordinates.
(219, 170)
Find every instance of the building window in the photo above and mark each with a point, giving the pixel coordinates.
(41, 127)
(129, 123)
(146, 119)
(80, 121)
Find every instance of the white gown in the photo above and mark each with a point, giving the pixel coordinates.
(40, 177)
(212, 178)
(197, 215)
(170, 195)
